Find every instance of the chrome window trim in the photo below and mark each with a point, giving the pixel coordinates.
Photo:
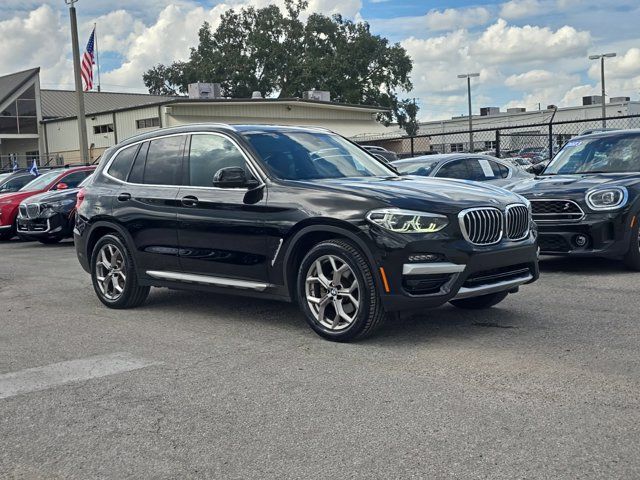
(465, 235)
(571, 220)
(506, 221)
(250, 163)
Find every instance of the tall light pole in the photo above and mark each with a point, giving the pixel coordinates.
(601, 57)
(82, 123)
(469, 76)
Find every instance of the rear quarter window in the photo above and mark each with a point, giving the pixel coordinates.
(121, 165)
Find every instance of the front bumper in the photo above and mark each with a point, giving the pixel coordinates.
(56, 225)
(597, 234)
(460, 270)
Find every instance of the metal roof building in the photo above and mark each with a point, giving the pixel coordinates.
(42, 124)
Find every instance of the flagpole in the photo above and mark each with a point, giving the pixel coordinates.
(95, 43)
(82, 123)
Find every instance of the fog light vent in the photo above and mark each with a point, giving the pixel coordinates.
(425, 257)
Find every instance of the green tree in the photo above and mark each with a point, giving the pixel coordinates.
(407, 113)
(278, 53)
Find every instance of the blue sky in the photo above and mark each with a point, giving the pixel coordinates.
(528, 52)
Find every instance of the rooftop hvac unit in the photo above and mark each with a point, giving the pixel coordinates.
(516, 110)
(620, 99)
(317, 95)
(486, 111)
(256, 95)
(201, 91)
(552, 107)
(592, 100)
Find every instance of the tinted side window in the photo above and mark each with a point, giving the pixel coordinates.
(16, 183)
(74, 179)
(137, 171)
(164, 161)
(121, 165)
(455, 169)
(479, 170)
(500, 171)
(210, 153)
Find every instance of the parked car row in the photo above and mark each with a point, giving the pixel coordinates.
(304, 215)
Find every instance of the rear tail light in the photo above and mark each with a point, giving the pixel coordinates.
(80, 198)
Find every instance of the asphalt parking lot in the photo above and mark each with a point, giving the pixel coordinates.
(203, 386)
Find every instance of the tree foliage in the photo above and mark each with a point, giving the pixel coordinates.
(407, 116)
(280, 54)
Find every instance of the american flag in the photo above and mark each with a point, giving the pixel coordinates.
(86, 69)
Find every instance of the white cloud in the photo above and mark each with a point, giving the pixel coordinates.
(453, 18)
(535, 79)
(503, 43)
(515, 9)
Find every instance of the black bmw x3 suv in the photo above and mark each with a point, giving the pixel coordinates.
(587, 200)
(296, 214)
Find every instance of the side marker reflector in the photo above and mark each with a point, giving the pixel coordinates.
(384, 280)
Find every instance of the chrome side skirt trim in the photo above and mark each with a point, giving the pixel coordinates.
(491, 288)
(208, 280)
(431, 268)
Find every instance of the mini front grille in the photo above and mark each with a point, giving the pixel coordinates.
(556, 211)
(482, 226)
(553, 244)
(517, 222)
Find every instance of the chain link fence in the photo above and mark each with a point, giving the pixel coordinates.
(541, 140)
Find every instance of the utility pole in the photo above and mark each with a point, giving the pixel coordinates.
(468, 76)
(82, 123)
(601, 57)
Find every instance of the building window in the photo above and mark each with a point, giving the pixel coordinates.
(148, 122)
(490, 145)
(106, 128)
(20, 115)
(457, 147)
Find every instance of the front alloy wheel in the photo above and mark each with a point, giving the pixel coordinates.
(333, 292)
(113, 274)
(337, 291)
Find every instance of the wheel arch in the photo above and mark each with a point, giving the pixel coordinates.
(103, 227)
(312, 234)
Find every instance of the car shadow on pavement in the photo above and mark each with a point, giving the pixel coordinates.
(428, 326)
(582, 265)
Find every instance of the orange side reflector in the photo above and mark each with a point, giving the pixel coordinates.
(633, 222)
(384, 280)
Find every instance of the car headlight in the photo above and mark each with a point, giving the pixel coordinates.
(610, 198)
(407, 221)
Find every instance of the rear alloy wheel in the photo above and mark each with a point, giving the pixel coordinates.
(632, 257)
(480, 303)
(337, 292)
(113, 275)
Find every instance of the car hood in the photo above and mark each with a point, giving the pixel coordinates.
(553, 185)
(421, 193)
(56, 196)
(17, 197)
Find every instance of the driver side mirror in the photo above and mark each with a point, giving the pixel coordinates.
(230, 177)
(61, 186)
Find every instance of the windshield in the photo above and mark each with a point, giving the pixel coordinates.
(39, 183)
(422, 169)
(611, 154)
(311, 156)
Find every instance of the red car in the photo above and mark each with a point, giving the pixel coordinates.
(58, 179)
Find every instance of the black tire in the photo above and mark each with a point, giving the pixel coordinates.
(632, 257)
(367, 316)
(49, 240)
(132, 295)
(480, 303)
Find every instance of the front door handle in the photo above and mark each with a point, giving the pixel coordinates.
(189, 201)
(123, 197)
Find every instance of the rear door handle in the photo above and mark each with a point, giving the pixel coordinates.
(189, 201)
(123, 197)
